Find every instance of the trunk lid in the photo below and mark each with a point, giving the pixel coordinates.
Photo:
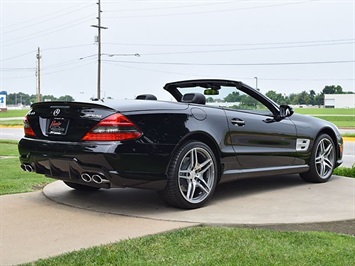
(65, 121)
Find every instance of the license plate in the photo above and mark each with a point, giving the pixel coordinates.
(58, 126)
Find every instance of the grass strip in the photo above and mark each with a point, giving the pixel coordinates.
(14, 113)
(218, 246)
(12, 178)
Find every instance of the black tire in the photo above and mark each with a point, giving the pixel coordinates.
(192, 176)
(80, 187)
(322, 161)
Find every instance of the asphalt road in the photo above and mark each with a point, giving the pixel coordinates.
(348, 158)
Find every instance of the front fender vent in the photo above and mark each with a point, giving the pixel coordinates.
(302, 144)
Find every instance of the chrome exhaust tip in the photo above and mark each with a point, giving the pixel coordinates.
(97, 179)
(23, 167)
(86, 177)
(27, 167)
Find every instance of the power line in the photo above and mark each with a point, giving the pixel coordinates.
(234, 44)
(163, 8)
(66, 47)
(16, 56)
(237, 64)
(52, 16)
(219, 76)
(210, 11)
(296, 45)
(247, 49)
(48, 31)
(17, 68)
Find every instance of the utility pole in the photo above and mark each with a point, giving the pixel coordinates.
(38, 75)
(99, 27)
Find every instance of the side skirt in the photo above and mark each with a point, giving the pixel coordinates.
(231, 175)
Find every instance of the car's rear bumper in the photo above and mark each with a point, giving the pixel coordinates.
(98, 164)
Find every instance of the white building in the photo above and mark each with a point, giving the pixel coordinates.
(3, 102)
(339, 100)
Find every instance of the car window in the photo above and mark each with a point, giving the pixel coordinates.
(233, 99)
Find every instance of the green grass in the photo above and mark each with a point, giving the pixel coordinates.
(14, 113)
(345, 171)
(342, 117)
(12, 123)
(219, 246)
(12, 178)
(340, 121)
(10, 114)
(325, 111)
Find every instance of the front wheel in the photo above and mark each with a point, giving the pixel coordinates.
(322, 161)
(192, 176)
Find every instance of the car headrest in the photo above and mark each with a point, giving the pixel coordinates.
(198, 98)
(146, 97)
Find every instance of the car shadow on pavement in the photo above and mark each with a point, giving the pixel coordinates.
(249, 186)
(266, 201)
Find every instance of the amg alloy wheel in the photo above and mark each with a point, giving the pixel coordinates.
(322, 160)
(192, 176)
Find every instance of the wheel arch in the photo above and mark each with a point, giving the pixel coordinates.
(330, 132)
(206, 139)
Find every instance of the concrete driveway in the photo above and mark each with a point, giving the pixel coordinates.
(59, 219)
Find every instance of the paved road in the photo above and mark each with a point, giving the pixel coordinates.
(11, 133)
(349, 146)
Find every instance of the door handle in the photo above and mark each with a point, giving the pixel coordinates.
(269, 120)
(238, 122)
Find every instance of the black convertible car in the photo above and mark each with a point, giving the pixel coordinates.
(217, 130)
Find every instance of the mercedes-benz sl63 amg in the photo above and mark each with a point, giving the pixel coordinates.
(214, 131)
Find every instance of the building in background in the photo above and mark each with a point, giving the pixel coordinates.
(3, 106)
(339, 100)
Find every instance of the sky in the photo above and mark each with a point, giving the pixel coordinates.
(285, 46)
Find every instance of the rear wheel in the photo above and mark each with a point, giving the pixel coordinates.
(80, 187)
(322, 160)
(192, 176)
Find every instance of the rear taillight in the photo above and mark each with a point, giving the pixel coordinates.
(28, 130)
(115, 127)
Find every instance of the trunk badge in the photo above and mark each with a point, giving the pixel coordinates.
(56, 112)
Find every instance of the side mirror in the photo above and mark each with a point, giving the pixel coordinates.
(285, 111)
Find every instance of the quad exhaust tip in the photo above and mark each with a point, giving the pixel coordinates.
(96, 178)
(27, 167)
(86, 177)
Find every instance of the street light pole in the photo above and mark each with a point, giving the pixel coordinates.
(99, 27)
(256, 83)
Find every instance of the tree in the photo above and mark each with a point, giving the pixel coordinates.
(66, 98)
(333, 89)
(276, 97)
(312, 95)
(233, 97)
(304, 98)
(25, 99)
(248, 102)
(209, 100)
